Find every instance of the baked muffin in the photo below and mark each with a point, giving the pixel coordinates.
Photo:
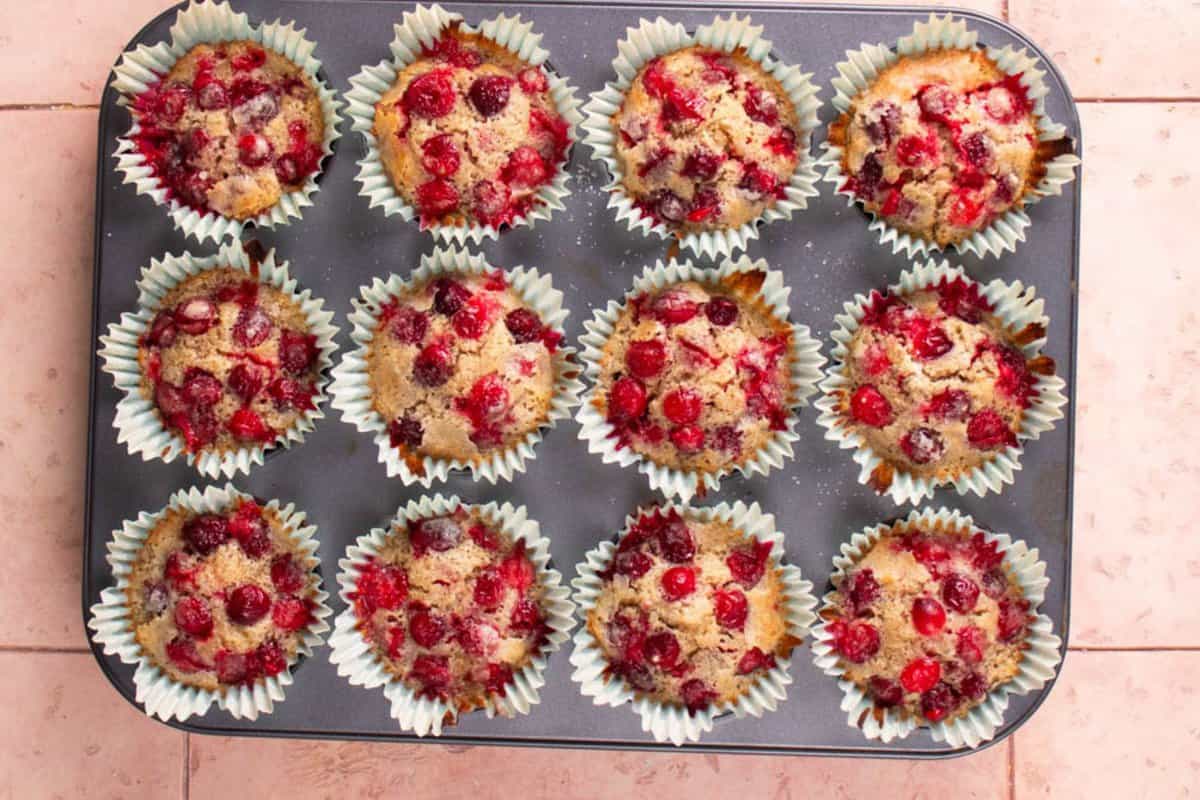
(460, 367)
(697, 376)
(928, 621)
(231, 128)
(469, 133)
(221, 599)
(691, 612)
(941, 144)
(705, 140)
(229, 362)
(451, 605)
(937, 384)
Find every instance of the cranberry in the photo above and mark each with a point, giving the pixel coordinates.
(885, 692)
(636, 675)
(783, 143)
(721, 311)
(291, 613)
(449, 49)
(747, 564)
(235, 668)
(912, 151)
(195, 316)
(162, 330)
(254, 105)
(870, 407)
(661, 649)
(960, 593)
(937, 101)
(730, 608)
(183, 654)
(701, 165)
(246, 380)
(675, 542)
(434, 365)
(516, 570)
(987, 430)
(920, 674)
(436, 533)
(254, 149)
(439, 156)
(489, 94)
(753, 660)
(473, 319)
(646, 357)
(247, 426)
(758, 182)
(681, 106)
(526, 616)
(696, 695)
(950, 404)
(201, 388)
(688, 438)
(1014, 378)
(860, 589)
(206, 532)
(869, 176)
(928, 616)
(498, 677)
(251, 531)
(856, 641)
(1001, 104)
(1014, 615)
(287, 574)
(212, 96)
(760, 105)
(971, 643)
(180, 570)
(426, 629)
(252, 326)
(706, 204)
(247, 604)
(965, 210)
(632, 563)
(406, 431)
(678, 582)
(728, 439)
(683, 405)
(430, 96)
(297, 351)
(432, 672)
(155, 597)
(985, 554)
(929, 342)
(977, 149)
(922, 445)
(489, 590)
(526, 169)
(533, 80)
(626, 399)
(193, 617)
(668, 205)
(381, 587)
(973, 686)
(491, 202)
(883, 121)
(674, 307)
(939, 701)
(449, 296)
(436, 198)
(250, 58)
(271, 657)
(288, 393)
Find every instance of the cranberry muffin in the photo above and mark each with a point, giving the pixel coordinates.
(452, 606)
(942, 144)
(221, 599)
(937, 384)
(469, 133)
(229, 362)
(928, 621)
(461, 367)
(691, 612)
(705, 140)
(696, 376)
(231, 128)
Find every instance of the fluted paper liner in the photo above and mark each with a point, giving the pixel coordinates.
(112, 627)
(139, 424)
(418, 29)
(351, 387)
(144, 65)
(805, 357)
(860, 70)
(674, 723)
(1039, 661)
(660, 37)
(352, 653)
(1016, 306)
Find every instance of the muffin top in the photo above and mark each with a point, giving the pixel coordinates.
(697, 376)
(461, 366)
(221, 599)
(706, 140)
(469, 133)
(929, 621)
(231, 128)
(228, 361)
(691, 612)
(452, 607)
(938, 384)
(941, 144)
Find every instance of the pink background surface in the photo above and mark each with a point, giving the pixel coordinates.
(1123, 721)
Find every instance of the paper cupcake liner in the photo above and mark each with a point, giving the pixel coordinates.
(652, 39)
(139, 425)
(352, 653)
(112, 627)
(1038, 665)
(674, 723)
(1016, 306)
(860, 70)
(144, 65)
(419, 28)
(806, 363)
(351, 388)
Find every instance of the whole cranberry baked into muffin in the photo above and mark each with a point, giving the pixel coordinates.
(452, 606)
(937, 384)
(942, 144)
(691, 612)
(696, 376)
(928, 621)
(469, 132)
(706, 140)
(228, 361)
(231, 128)
(221, 599)
(461, 367)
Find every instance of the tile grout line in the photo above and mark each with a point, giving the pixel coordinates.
(187, 771)
(6, 648)
(49, 106)
(1012, 767)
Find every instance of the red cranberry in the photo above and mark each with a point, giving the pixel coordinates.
(973, 686)
(491, 202)
(381, 587)
(626, 399)
(856, 641)
(254, 104)
(252, 326)
(883, 121)
(252, 532)
(929, 342)
(987, 430)
(212, 96)
(246, 380)
(254, 149)
(728, 439)
(681, 105)
(920, 675)
(683, 405)
(646, 357)
(408, 324)
(162, 331)
(932, 555)
(950, 404)
(870, 407)
(939, 701)
(432, 672)
(885, 692)
(235, 668)
(861, 589)
(206, 532)
(747, 564)
(451, 50)
(436, 533)
(287, 575)
(688, 438)
(155, 597)
(1001, 104)
(696, 695)
(247, 604)
(960, 593)
(288, 393)
(533, 80)
(297, 351)
(912, 151)
(291, 613)
(971, 643)
(661, 649)
(928, 616)
(430, 96)
(516, 570)
(477, 637)
(869, 176)
(271, 657)
(449, 296)
(526, 616)
(250, 58)
(484, 536)
(195, 316)
(181, 570)
(753, 660)
(675, 542)
(922, 445)
(678, 582)
(656, 162)
(706, 204)
(674, 307)
(436, 198)
(783, 143)
(758, 182)
(201, 388)
(701, 165)
(498, 677)
(977, 149)
(183, 654)
(489, 589)
(668, 206)
(721, 311)
(247, 426)
(985, 554)
(1014, 616)
(406, 431)
(730, 608)
(434, 365)
(489, 94)
(426, 629)
(526, 169)
(193, 617)
(473, 319)
(761, 105)
(439, 156)
(632, 563)
(937, 101)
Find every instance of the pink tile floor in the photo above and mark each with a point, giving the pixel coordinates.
(1123, 720)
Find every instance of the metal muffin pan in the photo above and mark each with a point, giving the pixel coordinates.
(826, 254)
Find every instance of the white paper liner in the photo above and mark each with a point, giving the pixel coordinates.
(1038, 663)
(420, 28)
(806, 363)
(351, 387)
(1016, 306)
(112, 627)
(354, 658)
(143, 66)
(674, 723)
(860, 70)
(138, 422)
(652, 39)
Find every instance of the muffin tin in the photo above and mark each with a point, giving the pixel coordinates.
(826, 253)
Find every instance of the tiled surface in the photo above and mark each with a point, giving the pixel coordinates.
(1137, 574)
